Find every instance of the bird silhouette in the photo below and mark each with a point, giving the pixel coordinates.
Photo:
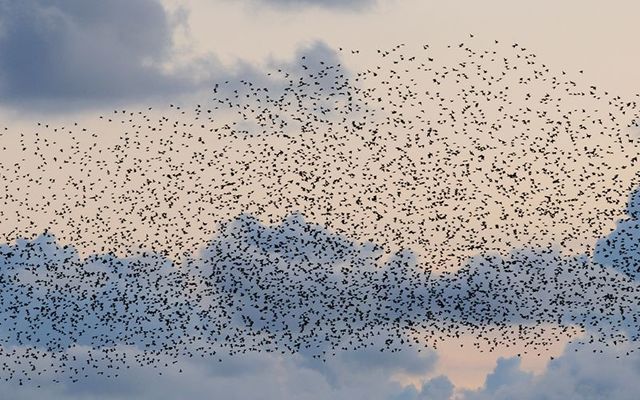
(421, 197)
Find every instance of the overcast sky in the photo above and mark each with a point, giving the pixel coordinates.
(71, 63)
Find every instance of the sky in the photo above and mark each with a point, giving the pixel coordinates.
(454, 184)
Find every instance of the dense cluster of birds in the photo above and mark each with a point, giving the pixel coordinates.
(320, 208)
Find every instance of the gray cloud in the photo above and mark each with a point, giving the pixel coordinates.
(438, 388)
(598, 373)
(541, 287)
(306, 289)
(64, 54)
(54, 51)
(621, 248)
(295, 288)
(251, 375)
(313, 85)
(360, 364)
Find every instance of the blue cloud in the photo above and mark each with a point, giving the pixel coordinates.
(538, 286)
(89, 51)
(600, 372)
(438, 388)
(621, 248)
(313, 81)
(507, 372)
(296, 288)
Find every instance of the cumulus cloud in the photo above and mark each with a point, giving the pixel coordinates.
(530, 287)
(60, 53)
(288, 288)
(621, 248)
(600, 373)
(308, 92)
(65, 50)
(507, 372)
(346, 366)
(250, 375)
(293, 288)
(438, 388)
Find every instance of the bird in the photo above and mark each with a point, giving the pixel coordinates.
(320, 208)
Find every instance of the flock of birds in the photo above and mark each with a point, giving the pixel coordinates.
(322, 209)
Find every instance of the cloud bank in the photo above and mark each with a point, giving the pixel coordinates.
(61, 53)
(621, 248)
(295, 288)
(600, 373)
(67, 50)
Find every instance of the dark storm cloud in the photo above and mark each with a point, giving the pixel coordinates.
(87, 50)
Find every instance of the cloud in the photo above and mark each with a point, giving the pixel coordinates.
(87, 51)
(250, 375)
(438, 388)
(599, 373)
(621, 248)
(65, 54)
(540, 286)
(309, 92)
(290, 288)
(507, 372)
(295, 288)
(347, 366)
